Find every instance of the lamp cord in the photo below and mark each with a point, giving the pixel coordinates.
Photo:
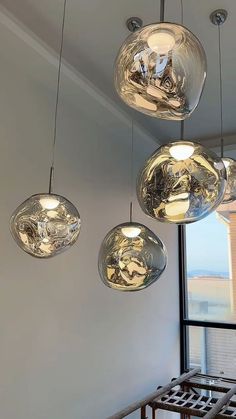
(220, 93)
(131, 172)
(162, 10)
(51, 177)
(182, 122)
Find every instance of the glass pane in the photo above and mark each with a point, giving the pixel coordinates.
(211, 266)
(213, 350)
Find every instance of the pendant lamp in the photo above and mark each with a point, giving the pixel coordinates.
(218, 17)
(131, 256)
(160, 69)
(182, 182)
(46, 223)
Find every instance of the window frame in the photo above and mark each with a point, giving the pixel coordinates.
(183, 305)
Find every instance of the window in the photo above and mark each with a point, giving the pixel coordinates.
(209, 284)
(208, 293)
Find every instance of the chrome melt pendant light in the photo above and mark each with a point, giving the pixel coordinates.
(131, 256)
(182, 182)
(47, 224)
(160, 69)
(218, 17)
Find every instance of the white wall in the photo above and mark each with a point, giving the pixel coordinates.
(70, 348)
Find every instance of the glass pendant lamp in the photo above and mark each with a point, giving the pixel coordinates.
(46, 223)
(182, 182)
(131, 256)
(218, 17)
(160, 70)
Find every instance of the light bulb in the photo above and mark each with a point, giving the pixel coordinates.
(181, 151)
(49, 203)
(161, 42)
(131, 232)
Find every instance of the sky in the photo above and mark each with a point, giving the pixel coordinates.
(207, 245)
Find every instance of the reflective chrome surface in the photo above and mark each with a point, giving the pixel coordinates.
(181, 182)
(131, 257)
(45, 225)
(230, 193)
(160, 70)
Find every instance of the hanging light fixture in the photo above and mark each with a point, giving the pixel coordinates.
(131, 256)
(218, 17)
(160, 69)
(47, 224)
(182, 182)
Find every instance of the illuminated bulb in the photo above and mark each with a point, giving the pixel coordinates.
(181, 151)
(49, 203)
(131, 232)
(161, 42)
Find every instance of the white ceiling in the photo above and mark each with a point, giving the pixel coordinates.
(95, 30)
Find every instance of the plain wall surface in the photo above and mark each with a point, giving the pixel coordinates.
(70, 348)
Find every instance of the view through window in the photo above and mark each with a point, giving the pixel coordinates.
(211, 292)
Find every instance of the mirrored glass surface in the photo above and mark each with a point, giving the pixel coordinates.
(131, 257)
(45, 225)
(160, 70)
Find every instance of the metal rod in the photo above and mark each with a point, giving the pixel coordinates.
(57, 96)
(51, 179)
(162, 10)
(182, 12)
(220, 91)
(213, 325)
(131, 212)
(222, 147)
(143, 413)
(220, 404)
(182, 130)
(183, 303)
(131, 170)
(137, 405)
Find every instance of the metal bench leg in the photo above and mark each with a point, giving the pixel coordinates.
(143, 412)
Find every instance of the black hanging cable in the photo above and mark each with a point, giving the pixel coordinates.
(220, 92)
(131, 172)
(162, 10)
(51, 177)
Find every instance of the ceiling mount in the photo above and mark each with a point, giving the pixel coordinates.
(219, 16)
(134, 23)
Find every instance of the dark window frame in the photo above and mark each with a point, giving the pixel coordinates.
(183, 309)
